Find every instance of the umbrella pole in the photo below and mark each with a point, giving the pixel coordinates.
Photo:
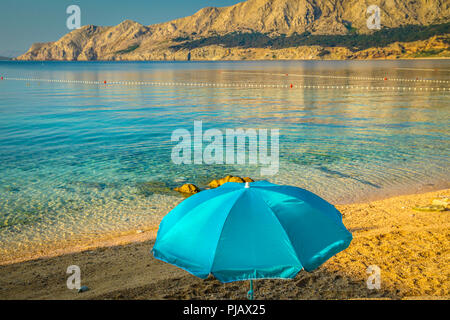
(250, 293)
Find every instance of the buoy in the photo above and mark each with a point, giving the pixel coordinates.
(104, 82)
(83, 289)
(385, 78)
(1, 78)
(292, 85)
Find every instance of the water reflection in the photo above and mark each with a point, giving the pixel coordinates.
(88, 158)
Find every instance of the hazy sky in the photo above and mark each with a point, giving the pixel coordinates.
(23, 22)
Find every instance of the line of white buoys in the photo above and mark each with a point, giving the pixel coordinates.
(423, 69)
(228, 85)
(340, 77)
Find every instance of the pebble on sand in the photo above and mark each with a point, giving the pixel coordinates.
(83, 289)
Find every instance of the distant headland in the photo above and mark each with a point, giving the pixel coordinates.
(267, 30)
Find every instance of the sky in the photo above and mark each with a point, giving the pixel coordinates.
(23, 22)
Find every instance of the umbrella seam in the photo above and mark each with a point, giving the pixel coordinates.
(338, 221)
(187, 213)
(282, 228)
(340, 226)
(221, 231)
(163, 257)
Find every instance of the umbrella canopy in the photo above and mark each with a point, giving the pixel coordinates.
(253, 231)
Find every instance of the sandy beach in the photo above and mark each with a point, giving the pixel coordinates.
(410, 247)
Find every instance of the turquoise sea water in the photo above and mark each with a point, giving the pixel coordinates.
(79, 160)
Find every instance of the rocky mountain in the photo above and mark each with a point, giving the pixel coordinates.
(264, 29)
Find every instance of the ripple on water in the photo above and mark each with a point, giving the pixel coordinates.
(83, 161)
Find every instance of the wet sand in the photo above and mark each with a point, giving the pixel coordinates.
(410, 247)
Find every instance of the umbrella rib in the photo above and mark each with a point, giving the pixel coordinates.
(282, 228)
(338, 220)
(194, 207)
(221, 231)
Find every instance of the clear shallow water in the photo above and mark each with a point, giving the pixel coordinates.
(82, 160)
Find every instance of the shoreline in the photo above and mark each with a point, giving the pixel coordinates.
(409, 246)
(238, 60)
(146, 233)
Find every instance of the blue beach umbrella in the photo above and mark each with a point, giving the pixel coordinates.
(251, 231)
